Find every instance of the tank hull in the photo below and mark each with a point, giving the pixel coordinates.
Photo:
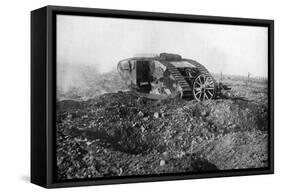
(168, 76)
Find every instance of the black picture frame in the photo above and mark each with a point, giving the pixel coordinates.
(43, 93)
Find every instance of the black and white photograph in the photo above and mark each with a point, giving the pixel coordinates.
(139, 97)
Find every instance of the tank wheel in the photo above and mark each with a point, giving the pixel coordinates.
(203, 88)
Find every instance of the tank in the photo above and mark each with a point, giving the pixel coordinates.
(167, 76)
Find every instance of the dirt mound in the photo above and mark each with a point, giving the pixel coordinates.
(120, 134)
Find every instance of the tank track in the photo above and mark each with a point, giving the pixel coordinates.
(180, 79)
(202, 69)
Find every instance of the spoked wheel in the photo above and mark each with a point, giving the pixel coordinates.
(203, 88)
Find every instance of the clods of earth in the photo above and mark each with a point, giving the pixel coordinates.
(121, 134)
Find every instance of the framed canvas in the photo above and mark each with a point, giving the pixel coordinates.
(126, 96)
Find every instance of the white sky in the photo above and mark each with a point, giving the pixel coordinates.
(102, 42)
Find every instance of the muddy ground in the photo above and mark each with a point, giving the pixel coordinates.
(121, 134)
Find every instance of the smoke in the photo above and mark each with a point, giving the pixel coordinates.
(84, 82)
(74, 76)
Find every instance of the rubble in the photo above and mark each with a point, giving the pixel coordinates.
(156, 115)
(120, 134)
(162, 162)
(140, 114)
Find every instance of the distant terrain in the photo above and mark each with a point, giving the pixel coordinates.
(104, 130)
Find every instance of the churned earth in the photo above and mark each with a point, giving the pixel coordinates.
(121, 134)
